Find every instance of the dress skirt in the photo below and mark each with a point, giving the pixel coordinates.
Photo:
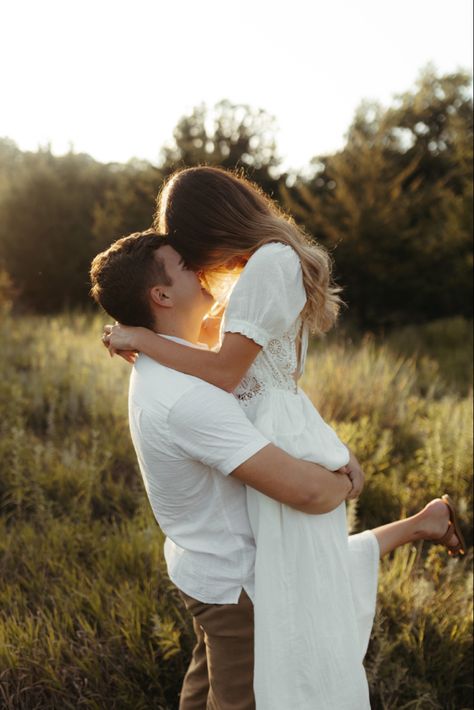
(315, 585)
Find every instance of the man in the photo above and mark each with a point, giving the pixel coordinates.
(196, 450)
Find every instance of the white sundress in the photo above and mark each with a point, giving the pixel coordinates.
(315, 586)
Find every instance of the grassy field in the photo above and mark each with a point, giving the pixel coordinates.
(88, 618)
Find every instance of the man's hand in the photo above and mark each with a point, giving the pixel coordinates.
(345, 471)
(356, 475)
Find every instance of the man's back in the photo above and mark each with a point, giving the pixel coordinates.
(188, 436)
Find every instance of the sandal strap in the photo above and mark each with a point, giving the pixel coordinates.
(447, 535)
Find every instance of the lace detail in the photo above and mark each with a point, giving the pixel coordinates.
(274, 367)
(249, 388)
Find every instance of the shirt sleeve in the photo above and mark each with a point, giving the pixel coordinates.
(206, 424)
(269, 295)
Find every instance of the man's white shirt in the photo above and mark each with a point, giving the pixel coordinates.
(189, 436)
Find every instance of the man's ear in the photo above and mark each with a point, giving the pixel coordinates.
(161, 296)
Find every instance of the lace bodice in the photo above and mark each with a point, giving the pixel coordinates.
(276, 366)
(265, 306)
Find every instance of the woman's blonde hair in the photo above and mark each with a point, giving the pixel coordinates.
(213, 216)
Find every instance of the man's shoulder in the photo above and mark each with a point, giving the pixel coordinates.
(153, 385)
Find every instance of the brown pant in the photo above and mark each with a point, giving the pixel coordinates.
(220, 675)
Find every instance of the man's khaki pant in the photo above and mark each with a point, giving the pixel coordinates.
(220, 676)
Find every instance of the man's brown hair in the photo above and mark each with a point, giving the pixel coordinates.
(122, 275)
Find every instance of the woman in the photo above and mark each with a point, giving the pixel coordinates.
(315, 586)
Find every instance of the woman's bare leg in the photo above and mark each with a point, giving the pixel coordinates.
(429, 523)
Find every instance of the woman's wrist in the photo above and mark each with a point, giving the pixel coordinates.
(141, 339)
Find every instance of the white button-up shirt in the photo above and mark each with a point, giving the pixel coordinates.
(189, 436)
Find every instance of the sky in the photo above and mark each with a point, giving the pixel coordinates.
(112, 78)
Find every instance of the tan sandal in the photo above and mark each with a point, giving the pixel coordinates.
(453, 529)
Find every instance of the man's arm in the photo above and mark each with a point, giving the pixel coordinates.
(300, 484)
(206, 424)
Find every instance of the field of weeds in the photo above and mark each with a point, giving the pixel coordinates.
(88, 618)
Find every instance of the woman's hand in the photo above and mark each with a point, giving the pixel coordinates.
(211, 326)
(210, 331)
(122, 337)
(121, 340)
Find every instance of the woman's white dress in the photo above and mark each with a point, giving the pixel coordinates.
(315, 586)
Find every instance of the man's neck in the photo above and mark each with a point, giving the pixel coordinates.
(184, 331)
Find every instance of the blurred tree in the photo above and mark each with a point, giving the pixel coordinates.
(229, 135)
(128, 203)
(45, 227)
(396, 204)
(232, 136)
(7, 292)
(10, 159)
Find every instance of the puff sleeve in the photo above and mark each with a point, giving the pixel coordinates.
(269, 295)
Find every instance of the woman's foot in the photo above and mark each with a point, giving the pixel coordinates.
(434, 521)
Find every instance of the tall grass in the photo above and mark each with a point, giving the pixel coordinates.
(88, 617)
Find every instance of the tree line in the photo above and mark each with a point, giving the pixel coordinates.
(394, 205)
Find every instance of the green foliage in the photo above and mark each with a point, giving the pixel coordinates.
(7, 293)
(80, 552)
(443, 347)
(396, 205)
(127, 205)
(228, 135)
(46, 240)
(420, 655)
(88, 617)
(411, 430)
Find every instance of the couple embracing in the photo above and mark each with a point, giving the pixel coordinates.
(244, 477)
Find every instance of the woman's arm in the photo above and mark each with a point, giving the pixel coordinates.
(267, 299)
(223, 369)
